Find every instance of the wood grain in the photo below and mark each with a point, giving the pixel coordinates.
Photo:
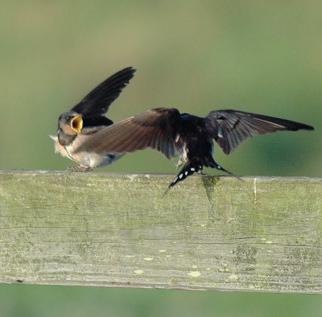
(259, 234)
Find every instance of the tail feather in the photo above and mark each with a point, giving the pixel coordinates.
(213, 164)
(188, 169)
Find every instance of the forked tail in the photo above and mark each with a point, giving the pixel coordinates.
(187, 170)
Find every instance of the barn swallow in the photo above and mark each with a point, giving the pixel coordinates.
(90, 139)
(86, 118)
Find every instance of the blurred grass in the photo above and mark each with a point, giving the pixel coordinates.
(195, 55)
(81, 302)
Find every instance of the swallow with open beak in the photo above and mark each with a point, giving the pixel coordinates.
(86, 136)
(85, 119)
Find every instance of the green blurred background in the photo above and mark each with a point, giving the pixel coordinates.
(260, 56)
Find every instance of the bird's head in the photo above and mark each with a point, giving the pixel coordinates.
(71, 123)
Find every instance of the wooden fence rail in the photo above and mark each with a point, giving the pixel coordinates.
(260, 234)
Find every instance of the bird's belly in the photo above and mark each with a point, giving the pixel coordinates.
(92, 159)
(83, 158)
(183, 154)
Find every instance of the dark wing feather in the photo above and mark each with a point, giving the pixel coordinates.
(230, 127)
(154, 128)
(100, 98)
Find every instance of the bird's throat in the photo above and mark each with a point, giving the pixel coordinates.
(65, 139)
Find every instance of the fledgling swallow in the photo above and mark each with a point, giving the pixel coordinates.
(93, 143)
(85, 119)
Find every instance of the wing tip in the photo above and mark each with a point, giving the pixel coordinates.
(300, 126)
(129, 69)
(308, 127)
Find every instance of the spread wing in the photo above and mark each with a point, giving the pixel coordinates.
(97, 102)
(154, 129)
(230, 127)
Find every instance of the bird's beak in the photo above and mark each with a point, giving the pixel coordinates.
(77, 124)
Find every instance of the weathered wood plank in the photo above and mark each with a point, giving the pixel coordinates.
(261, 234)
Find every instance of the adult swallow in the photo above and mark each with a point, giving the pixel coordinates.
(87, 137)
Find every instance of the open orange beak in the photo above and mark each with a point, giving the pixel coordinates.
(77, 124)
